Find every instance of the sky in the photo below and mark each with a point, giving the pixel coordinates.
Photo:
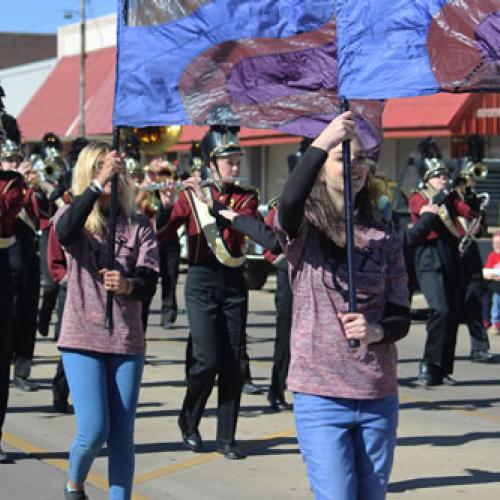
(45, 16)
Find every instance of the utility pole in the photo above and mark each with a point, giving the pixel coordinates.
(82, 68)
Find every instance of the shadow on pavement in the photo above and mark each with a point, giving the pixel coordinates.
(474, 476)
(447, 440)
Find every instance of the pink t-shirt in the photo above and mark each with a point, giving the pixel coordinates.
(322, 363)
(85, 307)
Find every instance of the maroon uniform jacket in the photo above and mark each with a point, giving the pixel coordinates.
(242, 201)
(456, 207)
(11, 201)
(56, 259)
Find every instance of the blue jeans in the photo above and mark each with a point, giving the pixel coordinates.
(347, 445)
(105, 392)
(495, 308)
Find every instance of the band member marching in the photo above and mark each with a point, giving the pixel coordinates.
(55, 181)
(11, 201)
(439, 271)
(216, 292)
(25, 265)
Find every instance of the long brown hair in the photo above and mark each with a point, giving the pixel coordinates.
(320, 211)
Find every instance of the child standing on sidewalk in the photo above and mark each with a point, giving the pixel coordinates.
(491, 272)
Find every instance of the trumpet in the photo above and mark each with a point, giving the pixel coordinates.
(49, 169)
(469, 173)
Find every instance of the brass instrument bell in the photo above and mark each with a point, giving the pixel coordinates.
(51, 168)
(157, 139)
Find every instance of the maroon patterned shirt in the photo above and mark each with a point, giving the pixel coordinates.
(322, 363)
(85, 307)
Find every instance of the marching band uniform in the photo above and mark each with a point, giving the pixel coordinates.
(439, 272)
(57, 197)
(11, 199)
(25, 270)
(283, 302)
(57, 266)
(216, 301)
(475, 289)
(263, 234)
(170, 259)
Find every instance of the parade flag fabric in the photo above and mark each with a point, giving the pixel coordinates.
(253, 63)
(402, 48)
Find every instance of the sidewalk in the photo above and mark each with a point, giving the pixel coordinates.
(448, 447)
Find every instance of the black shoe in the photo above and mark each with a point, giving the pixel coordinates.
(62, 407)
(251, 388)
(168, 319)
(191, 439)
(429, 375)
(230, 451)
(447, 380)
(43, 323)
(3, 456)
(25, 384)
(278, 403)
(74, 495)
(481, 356)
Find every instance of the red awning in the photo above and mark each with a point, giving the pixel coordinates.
(436, 115)
(55, 107)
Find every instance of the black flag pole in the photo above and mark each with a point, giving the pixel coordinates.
(349, 227)
(112, 232)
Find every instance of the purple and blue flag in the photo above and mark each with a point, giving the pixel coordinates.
(281, 64)
(403, 48)
(255, 63)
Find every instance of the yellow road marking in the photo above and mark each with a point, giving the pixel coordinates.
(59, 463)
(202, 459)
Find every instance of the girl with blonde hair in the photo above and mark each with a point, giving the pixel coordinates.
(104, 368)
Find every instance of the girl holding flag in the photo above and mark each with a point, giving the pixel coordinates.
(345, 399)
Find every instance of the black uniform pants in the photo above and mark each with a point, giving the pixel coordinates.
(170, 258)
(444, 297)
(60, 388)
(473, 310)
(50, 287)
(281, 357)
(473, 301)
(216, 304)
(6, 341)
(25, 273)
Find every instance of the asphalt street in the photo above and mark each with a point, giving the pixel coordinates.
(448, 444)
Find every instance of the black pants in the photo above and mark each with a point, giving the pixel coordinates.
(60, 388)
(25, 273)
(444, 297)
(216, 303)
(6, 340)
(281, 357)
(474, 291)
(170, 258)
(50, 287)
(473, 310)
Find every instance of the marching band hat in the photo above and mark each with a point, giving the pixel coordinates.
(195, 157)
(433, 167)
(220, 141)
(9, 149)
(50, 140)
